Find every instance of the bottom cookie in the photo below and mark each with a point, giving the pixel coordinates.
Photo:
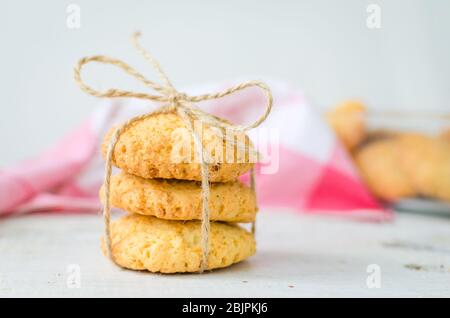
(147, 243)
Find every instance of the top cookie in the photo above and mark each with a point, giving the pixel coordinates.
(161, 146)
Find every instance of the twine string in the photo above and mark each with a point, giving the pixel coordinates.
(253, 188)
(184, 106)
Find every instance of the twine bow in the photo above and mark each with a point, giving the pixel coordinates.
(184, 106)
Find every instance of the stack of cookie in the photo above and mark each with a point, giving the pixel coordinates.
(160, 187)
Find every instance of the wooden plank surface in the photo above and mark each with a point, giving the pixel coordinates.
(298, 255)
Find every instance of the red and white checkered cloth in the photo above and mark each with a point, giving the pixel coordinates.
(310, 171)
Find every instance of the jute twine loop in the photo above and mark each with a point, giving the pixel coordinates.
(183, 105)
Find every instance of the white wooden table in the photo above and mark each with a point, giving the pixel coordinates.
(298, 255)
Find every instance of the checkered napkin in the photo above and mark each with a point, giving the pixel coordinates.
(304, 166)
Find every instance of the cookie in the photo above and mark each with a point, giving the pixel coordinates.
(161, 146)
(348, 122)
(445, 134)
(181, 200)
(379, 166)
(378, 134)
(147, 243)
(426, 162)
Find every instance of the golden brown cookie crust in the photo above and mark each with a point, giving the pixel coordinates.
(148, 243)
(181, 200)
(156, 148)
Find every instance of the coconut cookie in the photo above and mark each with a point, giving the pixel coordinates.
(181, 200)
(147, 243)
(161, 146)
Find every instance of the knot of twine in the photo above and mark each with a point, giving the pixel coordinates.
(183, 105)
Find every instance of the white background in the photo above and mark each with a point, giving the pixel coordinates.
(323, 47)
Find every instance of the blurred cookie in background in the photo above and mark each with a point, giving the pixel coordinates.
(395, 162)
(379, 166)
(445, 134)
(426, 161)
(377, 135)
(348, 121)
